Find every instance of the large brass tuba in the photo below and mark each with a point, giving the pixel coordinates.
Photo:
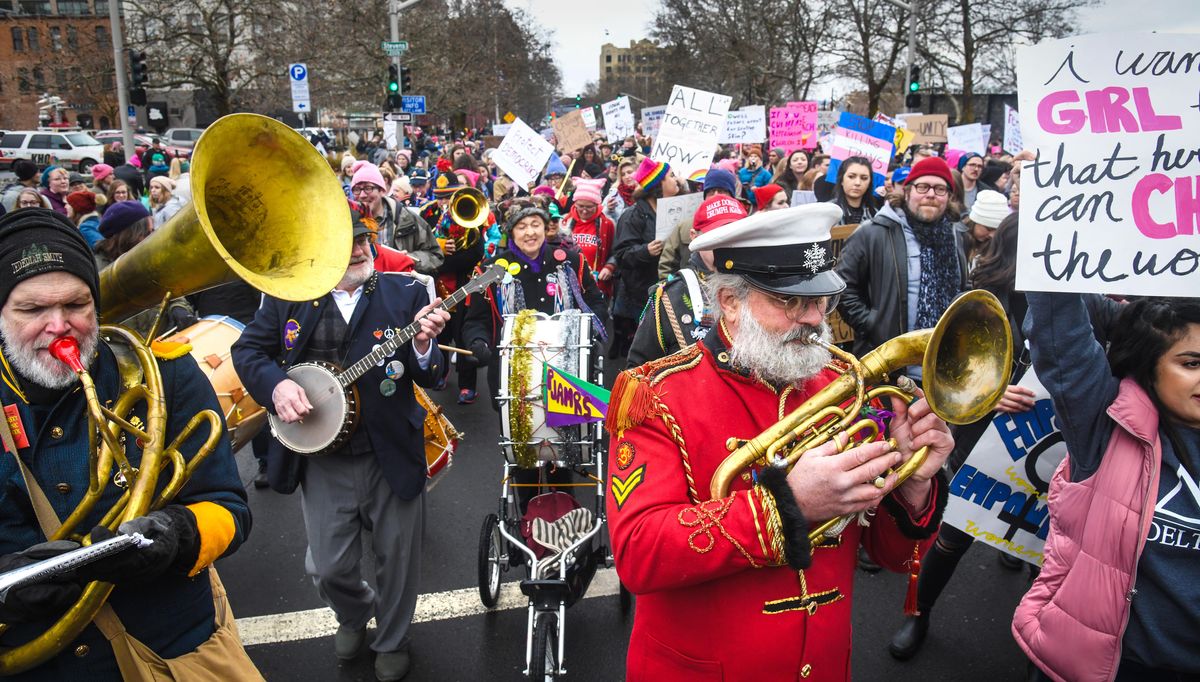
(966, 360)
(266, 208)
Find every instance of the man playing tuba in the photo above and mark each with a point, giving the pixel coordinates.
(731, 587)
(165, 598)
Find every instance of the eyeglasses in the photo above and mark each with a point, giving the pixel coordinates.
(926, 188)
(364, 189)
(28, 203)
(973, 164)
(796, 306)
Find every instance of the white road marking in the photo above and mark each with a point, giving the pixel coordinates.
(317, 623)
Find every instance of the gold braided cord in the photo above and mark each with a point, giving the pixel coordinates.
(520, 412)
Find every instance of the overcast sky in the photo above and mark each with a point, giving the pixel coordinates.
(579, 32)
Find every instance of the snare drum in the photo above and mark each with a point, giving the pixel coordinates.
(564, 341)
(211, 339)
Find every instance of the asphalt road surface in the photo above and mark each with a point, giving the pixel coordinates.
(289, 633)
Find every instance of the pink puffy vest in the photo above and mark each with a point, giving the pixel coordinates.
(1071, 621)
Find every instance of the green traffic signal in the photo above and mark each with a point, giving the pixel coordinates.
(913, 87)
(393, 86)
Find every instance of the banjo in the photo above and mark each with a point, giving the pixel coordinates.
(331, 390)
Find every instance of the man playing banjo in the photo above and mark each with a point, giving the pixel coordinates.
(376, 478)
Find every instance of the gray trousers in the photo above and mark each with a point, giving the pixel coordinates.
(342, 495)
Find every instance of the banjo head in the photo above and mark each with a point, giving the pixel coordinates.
(329, 422)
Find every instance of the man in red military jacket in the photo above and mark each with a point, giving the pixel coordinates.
(730, 587)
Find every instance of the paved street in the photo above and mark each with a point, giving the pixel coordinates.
(970, 639)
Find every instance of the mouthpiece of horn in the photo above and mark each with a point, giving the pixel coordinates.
(65, 349)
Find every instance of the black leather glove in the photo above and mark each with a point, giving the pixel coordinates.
(480, 353)
(175, 546)
(43, 600)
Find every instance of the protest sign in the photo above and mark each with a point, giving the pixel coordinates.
(794, 126)
(745, 126)
(827, 121)
(389, 134)
(904, 138)
(968, 138)
(859, 136)
(501, 129)
(690, 128)
(589, 117)
(673, 210)
(523, 154)
(998, 495)
(928, 129)
(571, 131)
(652, 120)
(986, 129)
(1111, 203)
(492, 141)
(618, 119)
(841, 330)
(1012, 131)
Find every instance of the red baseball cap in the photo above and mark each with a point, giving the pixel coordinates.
(716, 211)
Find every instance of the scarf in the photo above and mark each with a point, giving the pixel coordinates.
(626, 192)
(939, 268)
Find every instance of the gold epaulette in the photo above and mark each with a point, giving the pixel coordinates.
(633, 399)
(169, 350)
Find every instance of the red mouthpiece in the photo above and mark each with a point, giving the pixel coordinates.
(66, 350)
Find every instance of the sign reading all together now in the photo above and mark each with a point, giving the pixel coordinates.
(690, 127)
(1111, 204)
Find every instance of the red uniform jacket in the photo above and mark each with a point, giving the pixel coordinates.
(716, 599)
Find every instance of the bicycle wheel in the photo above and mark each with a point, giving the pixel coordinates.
(490, 543)
(543, 665)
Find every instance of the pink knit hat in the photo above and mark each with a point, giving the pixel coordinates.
(101, 171)
(472, 176)
(368, 172)
(588, 190)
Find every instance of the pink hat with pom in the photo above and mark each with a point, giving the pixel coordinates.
(588, 190)
(101, 171)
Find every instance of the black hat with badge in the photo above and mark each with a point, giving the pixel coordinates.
(786, 252)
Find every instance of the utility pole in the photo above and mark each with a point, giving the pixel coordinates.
(911, 8)
(394, 7)
(118, 39)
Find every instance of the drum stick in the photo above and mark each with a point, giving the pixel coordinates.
(454, 349)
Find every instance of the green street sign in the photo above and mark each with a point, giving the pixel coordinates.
(394, 49)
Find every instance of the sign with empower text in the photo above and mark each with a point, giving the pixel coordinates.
(794, 126)
(1111, 203)
(690, 128)
(998, 495)
(523, 154)
(858, 136)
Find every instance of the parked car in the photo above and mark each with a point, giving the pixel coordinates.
(141, 142)
(76, 151)
(182, 137)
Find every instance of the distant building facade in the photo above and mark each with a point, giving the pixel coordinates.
(635, 70)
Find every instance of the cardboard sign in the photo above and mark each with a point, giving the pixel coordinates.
(928, 129)
(523, 154)
(794, 126)
(690, 128)
(747, 125)
(492, 141)
(1012, 131)
(652, 120)
(968, 138)
(859, 136)
(841, 330)
(618, 119)
(1110, 203)
(674, 210)
(571, 132)
(998, 495)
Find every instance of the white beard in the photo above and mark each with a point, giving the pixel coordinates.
(357, 275)
(776, 358)
(50, 374)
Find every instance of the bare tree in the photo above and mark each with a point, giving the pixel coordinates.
(867, 44)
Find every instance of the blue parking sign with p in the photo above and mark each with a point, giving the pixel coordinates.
(299, 72)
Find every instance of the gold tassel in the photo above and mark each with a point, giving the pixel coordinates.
(632, 402)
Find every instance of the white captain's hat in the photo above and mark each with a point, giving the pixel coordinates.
(788, 251)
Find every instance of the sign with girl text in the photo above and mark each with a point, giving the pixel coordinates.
(690, 128)
(998, 496)
(1111, 203)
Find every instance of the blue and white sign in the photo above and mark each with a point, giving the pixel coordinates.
(412, 104)
(298, 76)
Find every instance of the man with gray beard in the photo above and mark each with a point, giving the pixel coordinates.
(730, 587)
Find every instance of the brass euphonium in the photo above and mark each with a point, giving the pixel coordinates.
(966, 360)
(266, 208)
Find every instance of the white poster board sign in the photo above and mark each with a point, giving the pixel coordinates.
(589, 117)
(968, 138)
(690, 128)
(747, 125)
(389, 134)
(1110, 204)
(652, 120)
(998, 496)
(673, 210)
(523, 154)
(501, 129)
(1012, 131)
(618, 119)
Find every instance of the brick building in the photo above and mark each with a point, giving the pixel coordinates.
(61, 48)
(635, 70)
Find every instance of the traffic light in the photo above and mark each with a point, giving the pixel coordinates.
(137, 78)
(578, 100)
(913, 99)
(393, 84)
(405, 79)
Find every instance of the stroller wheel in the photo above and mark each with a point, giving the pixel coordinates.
(490, 545)
(543, 665)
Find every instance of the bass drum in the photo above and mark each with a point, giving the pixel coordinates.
(441, 438)
(211, 339)
(563, 341)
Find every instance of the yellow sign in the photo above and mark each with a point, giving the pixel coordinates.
(904, 137)
(510, 117)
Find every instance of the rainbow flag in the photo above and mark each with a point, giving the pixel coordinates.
(570, 400)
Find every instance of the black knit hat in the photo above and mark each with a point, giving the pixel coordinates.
(34, 241)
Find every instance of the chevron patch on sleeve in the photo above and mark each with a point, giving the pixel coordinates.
(622, 488)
